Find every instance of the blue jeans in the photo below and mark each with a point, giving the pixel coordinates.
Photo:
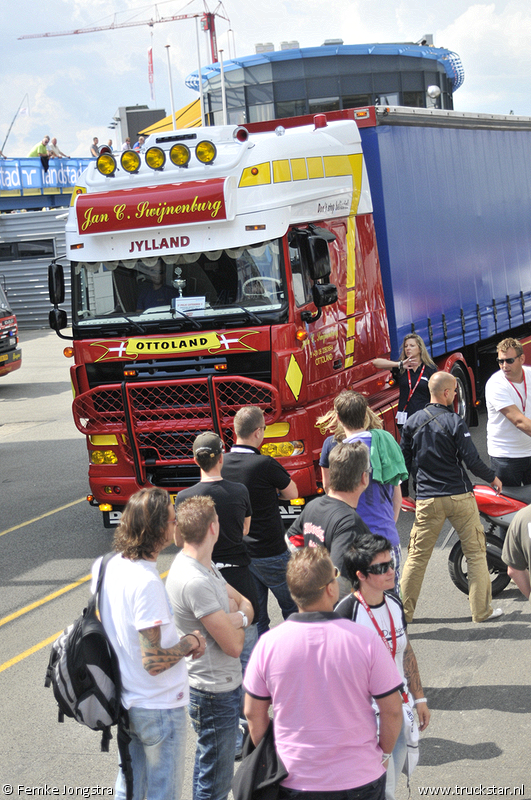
(371, 791)
(394, 767)
(251, 638)
(512, 471)
(157, 749)
(270, 573)
(215, 719)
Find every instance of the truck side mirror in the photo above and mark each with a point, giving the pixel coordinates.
(57, 319)
(324, 294)
(56, 284)
(319, 266)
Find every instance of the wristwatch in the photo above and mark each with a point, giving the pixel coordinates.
(244, 617)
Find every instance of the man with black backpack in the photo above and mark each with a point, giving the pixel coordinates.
(138, 621)
(435, 442)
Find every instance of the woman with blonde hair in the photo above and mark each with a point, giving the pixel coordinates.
(412, 372)
(329, 423)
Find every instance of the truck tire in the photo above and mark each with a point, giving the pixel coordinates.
(464, 397)
(497, 569)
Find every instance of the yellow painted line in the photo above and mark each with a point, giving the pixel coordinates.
(36, 604)
(26, 653)
(42, 516)
(44, 600)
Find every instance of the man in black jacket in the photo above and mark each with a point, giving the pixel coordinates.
(435, 442)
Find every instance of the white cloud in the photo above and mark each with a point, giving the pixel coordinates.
(76, 83)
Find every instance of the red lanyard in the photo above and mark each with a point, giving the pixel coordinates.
(411, 390)
(392, 649)
(523, 399)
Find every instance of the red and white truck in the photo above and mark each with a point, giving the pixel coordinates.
(269, 264)
(10, 353)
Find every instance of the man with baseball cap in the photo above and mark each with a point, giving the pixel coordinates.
(233, 506)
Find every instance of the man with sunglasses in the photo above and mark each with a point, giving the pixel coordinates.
(320, 673)
(437, 447)
(508, 397)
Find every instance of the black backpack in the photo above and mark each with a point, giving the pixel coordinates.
(85, 675)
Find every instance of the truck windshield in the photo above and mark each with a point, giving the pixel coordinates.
(194, 288)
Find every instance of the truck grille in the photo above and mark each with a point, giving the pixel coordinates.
(156, 423)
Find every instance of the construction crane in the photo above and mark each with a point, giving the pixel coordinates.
(207, 24)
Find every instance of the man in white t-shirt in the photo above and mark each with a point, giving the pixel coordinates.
(138, 620)
(508, 397)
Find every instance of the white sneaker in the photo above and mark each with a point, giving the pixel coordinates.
(496, 613)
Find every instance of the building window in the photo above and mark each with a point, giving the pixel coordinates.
(323, 104)
(293, 108)
(262, 113)
(389, 99)
(413, 99)
(259, 73)
(256, 95)
(236, 116)
(289, 90)
(356, 100)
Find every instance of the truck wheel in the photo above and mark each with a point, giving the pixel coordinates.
(498, 571)
(463, 396)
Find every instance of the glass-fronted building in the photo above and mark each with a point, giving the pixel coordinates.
(287, 83)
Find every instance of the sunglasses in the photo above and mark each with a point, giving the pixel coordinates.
(506, 360)
(381, 568)
(337, 575)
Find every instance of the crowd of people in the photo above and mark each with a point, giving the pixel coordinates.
(48, 148)
(339, 674)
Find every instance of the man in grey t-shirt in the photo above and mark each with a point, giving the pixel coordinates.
(201, 599)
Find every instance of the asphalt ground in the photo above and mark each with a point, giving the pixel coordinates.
(475, 675)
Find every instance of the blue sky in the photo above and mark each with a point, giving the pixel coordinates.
(76, 83)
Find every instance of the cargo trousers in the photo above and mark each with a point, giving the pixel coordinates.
(462, 512)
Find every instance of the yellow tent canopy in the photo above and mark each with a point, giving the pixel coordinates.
(187, 117)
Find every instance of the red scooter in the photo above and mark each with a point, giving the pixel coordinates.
(497, 512)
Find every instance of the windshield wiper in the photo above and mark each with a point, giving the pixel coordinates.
(194, 322)
(252, 316)
(134, 324)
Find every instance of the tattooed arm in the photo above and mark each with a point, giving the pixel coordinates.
(411, 671)
(157, 659)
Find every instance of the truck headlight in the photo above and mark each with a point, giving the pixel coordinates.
(282, 449)
(103, 457)
(106, 165)
(155, 158)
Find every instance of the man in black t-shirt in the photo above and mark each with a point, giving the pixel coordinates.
(230, 554)
(332, 520)
(266, 480)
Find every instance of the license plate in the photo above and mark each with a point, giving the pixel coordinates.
(4, 357)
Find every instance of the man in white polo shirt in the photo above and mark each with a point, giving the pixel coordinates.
(508, 397)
